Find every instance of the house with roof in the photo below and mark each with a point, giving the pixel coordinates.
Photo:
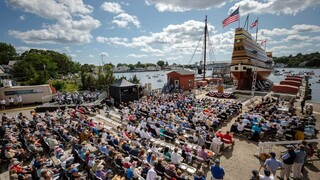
(181, 79)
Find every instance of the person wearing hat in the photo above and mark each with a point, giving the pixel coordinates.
(100, 173)
(91, 160)
(288, 159)
(272, 164)
(217, 172)
(126, 162)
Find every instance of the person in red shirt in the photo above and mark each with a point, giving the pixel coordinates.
(219, 134)
(227, 138)
(19, 169)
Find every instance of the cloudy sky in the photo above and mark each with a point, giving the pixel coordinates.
(128, 31)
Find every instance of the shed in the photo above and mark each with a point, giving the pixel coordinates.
(182, 79)
(124, 91)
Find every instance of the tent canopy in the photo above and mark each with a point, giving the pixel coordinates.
(122, 83)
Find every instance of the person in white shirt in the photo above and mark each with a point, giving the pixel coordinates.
(151, 175)
(176, 158)
(19, 100)
(137, 129)
(240, 127)
(3, 104)
(11, 101)
(216, 144)
(104, 134)
(267, 175)
(142, 133)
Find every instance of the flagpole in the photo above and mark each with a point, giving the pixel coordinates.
(239, 18)
(265, 45)
(257, 29)
(248, 22)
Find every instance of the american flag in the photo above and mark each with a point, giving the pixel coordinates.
(264, 42)
(231, 18)
(254, 24)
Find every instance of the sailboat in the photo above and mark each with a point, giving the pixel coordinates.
(249, 57)
(220, 92)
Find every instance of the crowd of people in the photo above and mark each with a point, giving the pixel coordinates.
(266, 121)
(11, 102)
(292, 160)
(173, 136)
(76, 97)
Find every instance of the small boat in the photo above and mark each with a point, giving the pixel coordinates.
(277, 73)
(154, 76)
(159, 80)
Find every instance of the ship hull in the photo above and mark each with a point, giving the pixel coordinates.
(244, 76)
(247, 57)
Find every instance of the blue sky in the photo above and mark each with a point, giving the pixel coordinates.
(128, 31)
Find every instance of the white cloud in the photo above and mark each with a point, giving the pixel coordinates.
(296, 29)
(122, 20)
(73, 24)
(67, 48)
(185, 5)
(73, 55)
(21, 49)
(137, 55)
(22, 18)
(91, 56)
(296, 38)
(274, 6)
(104, 54)
(112, 7)
(174, 40)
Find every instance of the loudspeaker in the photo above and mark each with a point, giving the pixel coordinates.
(199, 71)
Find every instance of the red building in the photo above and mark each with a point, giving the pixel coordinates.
(182, 79)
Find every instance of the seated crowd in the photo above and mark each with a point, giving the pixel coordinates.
(163, 137)
(265, 121)
(76, 97)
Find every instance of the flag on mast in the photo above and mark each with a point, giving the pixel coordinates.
(263, 42)
(231, 18)
(255, 23)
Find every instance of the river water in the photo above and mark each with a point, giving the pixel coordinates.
(153, 77)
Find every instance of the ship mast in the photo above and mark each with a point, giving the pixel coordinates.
(205, 48)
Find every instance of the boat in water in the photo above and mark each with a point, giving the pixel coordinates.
(249, 57)
(277, 73)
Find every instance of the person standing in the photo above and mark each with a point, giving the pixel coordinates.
(19, 100)
(303, 103)
(288, 160)
(217, 172)
(3, 104)
(272, 164)
(298, 162)
(11, 101)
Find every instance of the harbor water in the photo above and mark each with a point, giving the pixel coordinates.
(159, 78)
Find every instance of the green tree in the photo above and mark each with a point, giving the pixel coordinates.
(166, 63)
(7, 53)
(135, 79)
(160, 63)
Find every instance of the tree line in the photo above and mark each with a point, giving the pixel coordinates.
(311, 60)
(35, 67)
